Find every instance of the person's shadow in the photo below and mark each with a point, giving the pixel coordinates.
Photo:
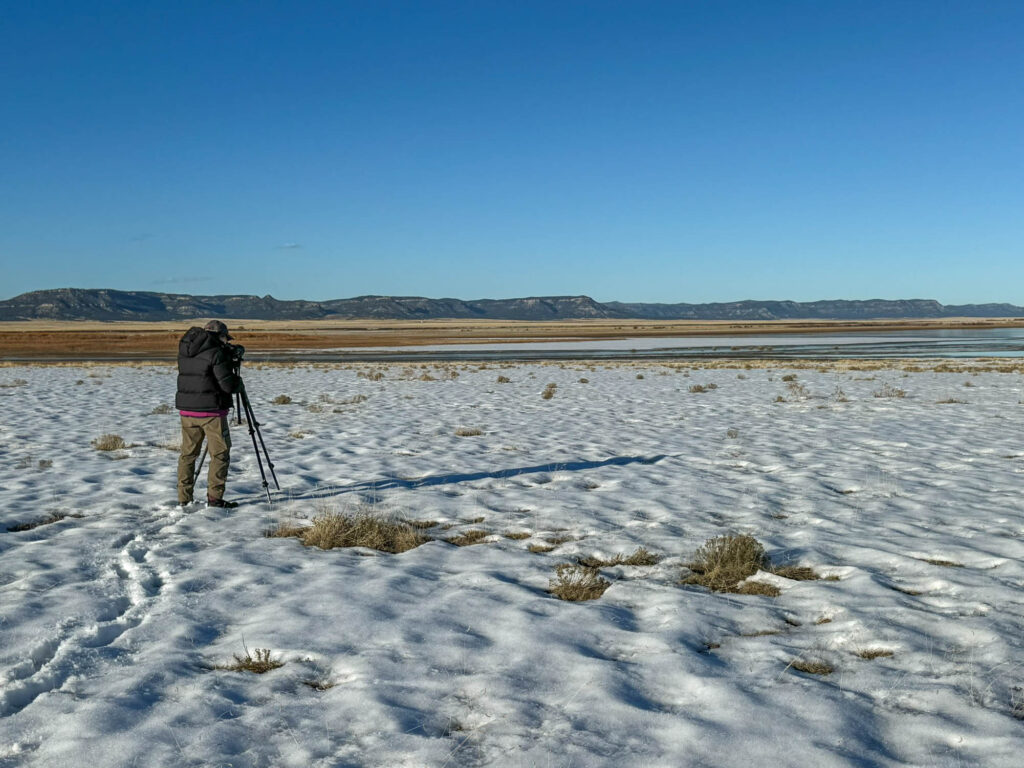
(391, 482)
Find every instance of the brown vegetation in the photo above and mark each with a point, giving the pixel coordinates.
(86, 340)
(109, 443)
(257, 664)
(874, 653)
(577, 583)
(363, 528)
(812, 666)
(54, 517)
(723, 564)
(639, 557)
(469, 538)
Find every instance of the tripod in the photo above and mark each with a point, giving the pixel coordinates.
(242, 403)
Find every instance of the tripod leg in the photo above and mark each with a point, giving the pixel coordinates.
(199, 469)
(259, 434)
(253, 425)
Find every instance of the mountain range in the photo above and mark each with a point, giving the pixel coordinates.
(111, 305)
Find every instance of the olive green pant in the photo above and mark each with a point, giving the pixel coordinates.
(218, 444)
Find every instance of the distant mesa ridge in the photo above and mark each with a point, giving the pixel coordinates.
(103, 304)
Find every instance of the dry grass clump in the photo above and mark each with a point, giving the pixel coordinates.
(789, 377)
(584, 380)
(422, 524)
(950, 400)
(757, 588)
(516, 535)
(1017, 703)
(812, 666)
(905, 590)
(504, 380)
(639, 557)
(698, 388)
(332, 530)
(556, 540)
(371, 375)
(281, 400)
(257, 664)
(723, 563)
(549, 391)
(888, 390)
(29, 462)
(873, 653)
(468, 432)
(161, 409)
(732, 433)
(469, 538)
(54, 517)
(13, 383)
(796, 389)
(576, 583)
(943, 563)
(541, 548)
(109, 443)
(796, 572)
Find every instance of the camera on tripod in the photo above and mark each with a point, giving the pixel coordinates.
(237, 352)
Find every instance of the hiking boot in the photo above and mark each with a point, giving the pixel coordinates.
(221, 503)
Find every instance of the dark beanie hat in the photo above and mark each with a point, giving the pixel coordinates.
(216, 326)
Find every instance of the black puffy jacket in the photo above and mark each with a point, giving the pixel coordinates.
(206, 379)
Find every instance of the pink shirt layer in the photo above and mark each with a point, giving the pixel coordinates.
(203, 414)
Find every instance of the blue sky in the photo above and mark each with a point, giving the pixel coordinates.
(635, 151)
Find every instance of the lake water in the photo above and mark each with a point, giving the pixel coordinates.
(991, 342)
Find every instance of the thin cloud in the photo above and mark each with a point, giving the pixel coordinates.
(289, 246)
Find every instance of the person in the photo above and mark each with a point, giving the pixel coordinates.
(207, 378)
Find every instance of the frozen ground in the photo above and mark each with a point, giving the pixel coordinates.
(112, 619)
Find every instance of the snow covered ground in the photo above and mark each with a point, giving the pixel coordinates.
(114, 619)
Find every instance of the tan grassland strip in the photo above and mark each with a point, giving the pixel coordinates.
(837, 365)
(49, 339)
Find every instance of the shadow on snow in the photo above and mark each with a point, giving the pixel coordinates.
(370, 488)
